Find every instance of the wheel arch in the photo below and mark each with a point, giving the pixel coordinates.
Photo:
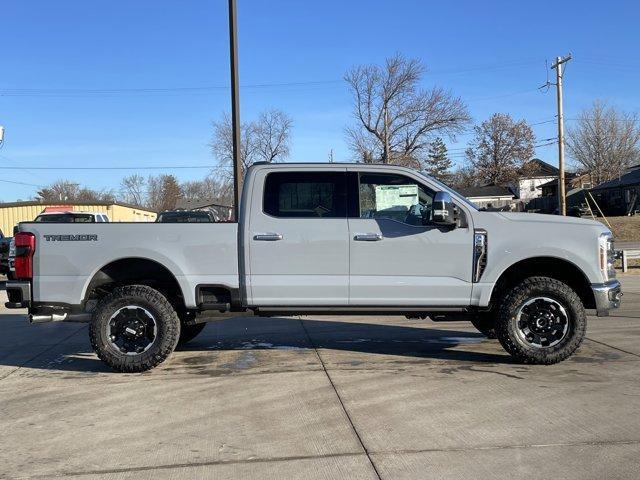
(545, 266)
(135, 270)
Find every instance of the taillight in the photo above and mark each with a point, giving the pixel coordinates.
(25, 248)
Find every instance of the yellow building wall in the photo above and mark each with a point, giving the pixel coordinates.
(10, 216)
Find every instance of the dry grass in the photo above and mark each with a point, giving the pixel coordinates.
(625, 229)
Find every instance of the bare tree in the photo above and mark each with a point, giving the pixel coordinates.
(67, 191)
(396, 119)
(208, 189)
(604, 142)
(272, 130)
(133, 189)
(266, 139)
(500, 149)
(464, 177)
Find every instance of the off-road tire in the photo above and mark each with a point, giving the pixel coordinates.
(167, 324)
(189, 332)
(485, 323)
(506, 325)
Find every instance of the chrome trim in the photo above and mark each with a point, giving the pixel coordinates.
(267, 237)
(367, 237)
(480, 247)
(607, 296)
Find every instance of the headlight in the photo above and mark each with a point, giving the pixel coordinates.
(607, 256)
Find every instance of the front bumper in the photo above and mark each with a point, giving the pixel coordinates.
(19, 294)
(608, 296)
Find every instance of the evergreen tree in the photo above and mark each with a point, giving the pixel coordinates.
(437, 163)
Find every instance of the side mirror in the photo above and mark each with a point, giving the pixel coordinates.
(444, 214)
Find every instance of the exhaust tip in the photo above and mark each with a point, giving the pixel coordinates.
(54, 317)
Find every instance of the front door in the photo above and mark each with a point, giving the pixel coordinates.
(397, 258)
(298, 239)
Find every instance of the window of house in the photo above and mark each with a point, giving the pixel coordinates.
(394, 197)
(305, 195)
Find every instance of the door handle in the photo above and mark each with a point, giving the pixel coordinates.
(267, 237)
(368, 237)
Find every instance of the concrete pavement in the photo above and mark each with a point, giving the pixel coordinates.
(319, 398)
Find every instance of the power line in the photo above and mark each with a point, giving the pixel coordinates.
(65, 92)
(22, 183)
(155, 167)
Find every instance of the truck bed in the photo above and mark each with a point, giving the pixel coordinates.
(68, 255)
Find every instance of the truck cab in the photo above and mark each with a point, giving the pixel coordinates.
(334, 239)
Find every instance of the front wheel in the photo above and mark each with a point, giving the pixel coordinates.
(541, 321)
(134, 328)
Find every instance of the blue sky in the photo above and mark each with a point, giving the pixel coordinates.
(491, 54)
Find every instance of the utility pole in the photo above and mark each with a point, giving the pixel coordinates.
(562, 199)
(386, 134)
(235, 108)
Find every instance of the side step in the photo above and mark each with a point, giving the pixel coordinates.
(219, 307)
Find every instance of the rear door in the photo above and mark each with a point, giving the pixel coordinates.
(397, 258)
(298, 238)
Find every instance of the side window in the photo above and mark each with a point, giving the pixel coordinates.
(305, 195)
(99, 218)
(395, 197)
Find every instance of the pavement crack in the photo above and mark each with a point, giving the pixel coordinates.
(615, 348)
(170, 466)
(294, 458)
(344, 408)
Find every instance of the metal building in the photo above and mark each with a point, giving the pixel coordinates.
(15, 212)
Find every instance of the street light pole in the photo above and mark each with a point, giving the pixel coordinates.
(235, 108)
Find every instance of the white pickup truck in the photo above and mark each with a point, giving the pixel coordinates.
(322, 239)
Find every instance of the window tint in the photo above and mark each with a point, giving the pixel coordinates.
(187, 216)
(66, 218)
(305, 194)
(395, 197)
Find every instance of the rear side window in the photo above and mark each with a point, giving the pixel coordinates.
(306, 195)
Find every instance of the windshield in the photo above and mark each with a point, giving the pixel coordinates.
(447, 188)
(66, 218)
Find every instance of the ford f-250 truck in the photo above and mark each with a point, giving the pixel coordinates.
(322, 239)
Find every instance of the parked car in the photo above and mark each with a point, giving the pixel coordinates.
(72, 217)
(322, 239)
(4, 254)
(185, 216)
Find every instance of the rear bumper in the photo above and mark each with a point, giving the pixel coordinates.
(19, 294)
(608, 296)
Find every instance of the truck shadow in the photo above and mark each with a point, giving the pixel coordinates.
(426, 340)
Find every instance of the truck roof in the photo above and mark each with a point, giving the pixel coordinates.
(288, 165)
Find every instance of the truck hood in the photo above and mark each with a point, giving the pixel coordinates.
(554, 219)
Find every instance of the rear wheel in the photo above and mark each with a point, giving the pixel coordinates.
(134, 328)
(541, 321)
